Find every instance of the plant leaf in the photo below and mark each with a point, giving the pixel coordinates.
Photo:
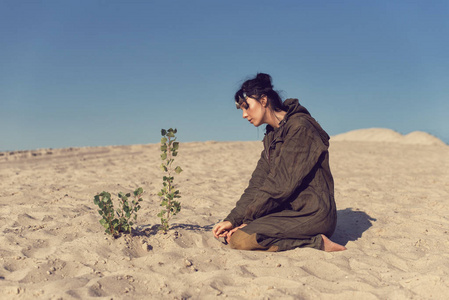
(178, 170)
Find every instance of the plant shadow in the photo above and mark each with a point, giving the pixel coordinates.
(351, 225)
(149, 230)
(193, 227)
(146, 230)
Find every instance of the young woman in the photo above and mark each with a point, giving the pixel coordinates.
(289, 202)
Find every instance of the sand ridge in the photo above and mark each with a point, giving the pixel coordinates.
(392, 210)
(388, 136)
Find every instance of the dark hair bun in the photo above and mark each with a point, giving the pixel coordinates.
(264, 80)
(259, 86)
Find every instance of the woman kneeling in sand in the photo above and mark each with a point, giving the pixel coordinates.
(289, 202)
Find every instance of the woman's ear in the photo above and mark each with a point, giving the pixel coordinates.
(264, 101)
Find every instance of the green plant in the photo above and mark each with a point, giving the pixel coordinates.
(117, 221)
(168, 193)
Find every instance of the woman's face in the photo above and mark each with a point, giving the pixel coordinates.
(254, 112)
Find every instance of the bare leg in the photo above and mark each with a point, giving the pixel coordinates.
(330, 246)
(240, 240)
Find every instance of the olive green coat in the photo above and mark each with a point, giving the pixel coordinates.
(290, 198)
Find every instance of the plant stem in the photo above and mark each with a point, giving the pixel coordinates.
(169, 177)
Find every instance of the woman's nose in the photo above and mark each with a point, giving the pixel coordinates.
(244, 114)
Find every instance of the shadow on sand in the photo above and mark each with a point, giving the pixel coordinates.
(149, 230)
(351, 225)
(193, 227)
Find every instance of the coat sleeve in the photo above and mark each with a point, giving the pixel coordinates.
(299, 154)
(258, 177)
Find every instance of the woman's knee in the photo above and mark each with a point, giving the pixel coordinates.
(241, 240)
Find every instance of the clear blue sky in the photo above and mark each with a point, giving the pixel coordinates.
(92, 73)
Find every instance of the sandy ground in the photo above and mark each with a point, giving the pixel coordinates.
(393, 211)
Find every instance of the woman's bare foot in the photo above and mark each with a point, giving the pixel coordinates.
(330, 246)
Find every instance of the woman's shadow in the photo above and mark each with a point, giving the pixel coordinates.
(350, 225)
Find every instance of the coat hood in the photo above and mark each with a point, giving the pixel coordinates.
(293, 107)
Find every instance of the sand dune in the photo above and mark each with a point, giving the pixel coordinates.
(392, 208)
(388, 135)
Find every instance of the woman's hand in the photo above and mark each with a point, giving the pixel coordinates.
(221, 229)
(231, 232)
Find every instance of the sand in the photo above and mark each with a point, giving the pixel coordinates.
(392, 200)
(389, 136)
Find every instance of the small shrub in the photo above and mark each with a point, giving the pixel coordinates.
(168, 193)
(117, 221)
